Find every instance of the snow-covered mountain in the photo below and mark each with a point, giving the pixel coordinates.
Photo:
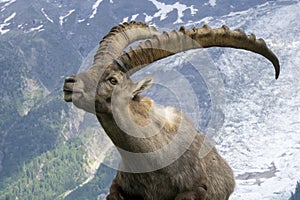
(262, 121)
(259, 122)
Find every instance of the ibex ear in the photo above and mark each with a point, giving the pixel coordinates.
(142, 85)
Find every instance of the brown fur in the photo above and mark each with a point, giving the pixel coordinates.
(198, 172)
(140, 110)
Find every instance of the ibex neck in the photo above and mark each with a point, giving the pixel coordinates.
(118, 137)
(141, 129)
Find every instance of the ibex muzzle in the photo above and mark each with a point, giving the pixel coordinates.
(136, 125)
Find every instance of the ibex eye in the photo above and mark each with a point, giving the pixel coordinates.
(113, 81)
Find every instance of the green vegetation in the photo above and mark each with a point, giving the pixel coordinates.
(12, 68)
(30, 136)
(36, 161)
(53, 173)
(99, 185)
(49, 175)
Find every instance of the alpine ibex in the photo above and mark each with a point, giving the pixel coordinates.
(163, 156)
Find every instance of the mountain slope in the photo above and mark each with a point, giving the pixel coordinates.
(43, 41)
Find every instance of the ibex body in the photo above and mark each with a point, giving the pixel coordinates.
(198, 171)
(163, 156)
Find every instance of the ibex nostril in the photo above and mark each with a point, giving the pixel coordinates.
(70, 79)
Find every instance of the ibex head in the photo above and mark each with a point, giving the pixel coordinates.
(92, 90)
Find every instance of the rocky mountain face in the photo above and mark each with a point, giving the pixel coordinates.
(51, 150)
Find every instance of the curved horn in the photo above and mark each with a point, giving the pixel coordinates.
(168, 44)
(120, 36)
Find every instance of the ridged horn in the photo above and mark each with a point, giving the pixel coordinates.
(169, 43)
(119, 37)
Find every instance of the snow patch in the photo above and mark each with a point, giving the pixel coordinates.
(80, 20)
(125, 19)
(6, 23)
(164, 9)
(262, 117)
(3, 31)
(47, 17)
(95, 8)
(7, 3)
(148, 18)
(38, 28)
(62, 18)
(193, 10)
(133, 17)
(10, 17)
(233, 14)
(213, 3)
(205, 20)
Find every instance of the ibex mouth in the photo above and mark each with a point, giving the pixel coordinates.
(68, 96)
(69, 90)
